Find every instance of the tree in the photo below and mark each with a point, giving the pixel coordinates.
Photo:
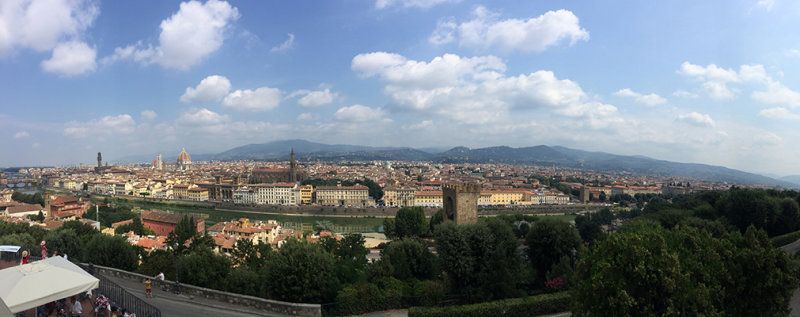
(113, 251)
(65, 241)
(409, 260)
(159, 261)
(436, 219)
(548, 241)
(408, 222)
(653, 271)
(204, 268)
(302, 272)
(23, 240)
(603, 196)
(480, 260)
(789, 218)
(350, 255)
(744, 207)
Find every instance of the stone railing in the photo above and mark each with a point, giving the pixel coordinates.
(198, 294)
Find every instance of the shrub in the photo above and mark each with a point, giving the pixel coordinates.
(366, 297)
(429, 293)
(524, 306)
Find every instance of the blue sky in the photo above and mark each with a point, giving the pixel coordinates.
(690, 81)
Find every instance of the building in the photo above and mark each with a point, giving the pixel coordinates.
(20, 210)
(244, 195)
(399, 196)
(428, 198)
(279, 175)
(306, 194)
(163, 223)
(184, 161)
(66, 206)
(198, 194)
(277, 194)
(461, 202)
(257, 232)
(357, 195)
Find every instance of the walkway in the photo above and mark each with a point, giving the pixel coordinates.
(181, 305)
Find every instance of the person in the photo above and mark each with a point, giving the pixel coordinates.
(160, 277)
(147, 288)
(25, 257)
(44, 250)
(76, 310)
(65, 256)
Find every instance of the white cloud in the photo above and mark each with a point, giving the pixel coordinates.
(71, 58)
(21, 134)
(475, 90)
(357, 113)
(381, 4)
(530, 35)
(697, 119)
(778, 113)
(647, 100)
(768, 138)
(684, 94)
(305, 117)
(200, 117)
(778, 94)
(715, 79)
(261, 99)
(793, 52)
(187, 37)
(422, 125)
(121, 124)
(317, 98)
(149, 115)
(765, 4)
(211, 88)
(42, 24)
(285, 45)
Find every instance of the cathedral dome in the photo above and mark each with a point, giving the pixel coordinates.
(184, 157)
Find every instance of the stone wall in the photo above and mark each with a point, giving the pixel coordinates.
(200, 293)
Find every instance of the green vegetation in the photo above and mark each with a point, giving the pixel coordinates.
(408, 222)
(525, 306)
(35, 198)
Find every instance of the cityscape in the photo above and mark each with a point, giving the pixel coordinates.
(399, 158)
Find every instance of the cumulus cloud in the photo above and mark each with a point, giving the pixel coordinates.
(778, 113)
(530, 35)
(149, 115)
(649, 100)
(21, 135)
(475, 90)
(777, 94)
(697, 119)
(684, 94)
(765, 4)
(421, 125)
(41, 25)
(317, 98)
(285, 45)
(120, 124)
(358, 113)
(715, 79)
(261, 99)
(199, 117)
(382, 4)
(71, 58)
(211, 88)
(187, 37)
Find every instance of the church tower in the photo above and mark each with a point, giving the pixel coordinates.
(292, 168)
(99, 160)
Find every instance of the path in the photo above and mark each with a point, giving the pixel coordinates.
(181, 305)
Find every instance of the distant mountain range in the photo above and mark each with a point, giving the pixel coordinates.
(540, 155)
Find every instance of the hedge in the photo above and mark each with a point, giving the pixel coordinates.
(524, 306)
(785, 239)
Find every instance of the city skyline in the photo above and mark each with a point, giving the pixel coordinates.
(682, 81)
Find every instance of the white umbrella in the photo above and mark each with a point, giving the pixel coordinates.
(35, 284)
(4, 311)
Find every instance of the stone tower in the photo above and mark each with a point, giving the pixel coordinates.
(461, 202)
(99, 160)
(292, 168)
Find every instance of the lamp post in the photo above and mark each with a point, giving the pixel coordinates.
(97, 214)
(176, 289)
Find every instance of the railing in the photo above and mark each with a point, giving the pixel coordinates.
(123, 298)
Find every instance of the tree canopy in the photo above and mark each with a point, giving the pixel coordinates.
(408, 222)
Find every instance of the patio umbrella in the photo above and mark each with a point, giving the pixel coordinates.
(35, 284)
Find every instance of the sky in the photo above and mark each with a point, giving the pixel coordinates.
(710, 82)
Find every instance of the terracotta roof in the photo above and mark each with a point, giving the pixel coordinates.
(354, 187)
(165, 217)
(23, 207)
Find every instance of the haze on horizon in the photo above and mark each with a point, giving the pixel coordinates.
(706, 82)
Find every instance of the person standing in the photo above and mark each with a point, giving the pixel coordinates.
(44, 250)
(148, 293)
(25, 257)
(160, 277)
(76, 310)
